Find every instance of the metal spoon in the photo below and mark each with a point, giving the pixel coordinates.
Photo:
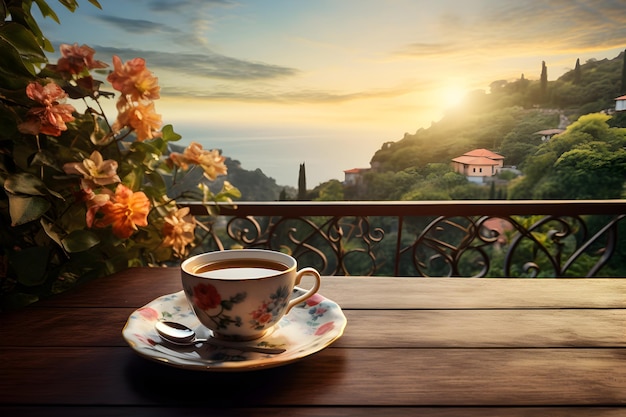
(179, 334)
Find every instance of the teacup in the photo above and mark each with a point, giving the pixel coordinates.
(241, 294)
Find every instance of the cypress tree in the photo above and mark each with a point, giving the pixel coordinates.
(302, 183)
(544, 79)
(624, 74)
(577, 72)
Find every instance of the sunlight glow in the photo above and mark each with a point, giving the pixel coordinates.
(452, 95)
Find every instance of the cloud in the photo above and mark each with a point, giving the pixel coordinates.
(526, 27)
(137, 25)
(206, 65)
(267, 95)
(168, 6)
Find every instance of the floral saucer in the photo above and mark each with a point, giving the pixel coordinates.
(308, 328)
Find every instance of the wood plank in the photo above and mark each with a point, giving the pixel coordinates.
(30, 411)
(363, 377)
(484, 328)
(138, 286)
(469, 293)
(73, 327)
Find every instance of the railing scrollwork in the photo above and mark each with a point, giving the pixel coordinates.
(433, 239)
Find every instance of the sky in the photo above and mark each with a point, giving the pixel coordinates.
(327, 82)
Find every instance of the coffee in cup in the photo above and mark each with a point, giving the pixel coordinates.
(241, 294)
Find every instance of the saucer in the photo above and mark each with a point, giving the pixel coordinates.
(308, 328)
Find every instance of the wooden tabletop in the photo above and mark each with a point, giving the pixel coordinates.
(412, 346)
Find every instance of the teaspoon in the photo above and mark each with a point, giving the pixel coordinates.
(179, 334)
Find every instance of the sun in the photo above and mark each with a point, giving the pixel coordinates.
(452, 95)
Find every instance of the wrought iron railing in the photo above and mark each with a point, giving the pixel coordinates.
(576, 238)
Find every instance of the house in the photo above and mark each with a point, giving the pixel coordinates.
(479, 164)
(548, 133)
(353, 176)
(620, 104)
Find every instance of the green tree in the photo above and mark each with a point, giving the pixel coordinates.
(623, 85)
(591, 171)
(578, 76)
(586, 161)
(544, 80)
(302, 183)
(330, 191)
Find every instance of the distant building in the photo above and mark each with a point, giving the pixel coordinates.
(479, 164)
(548, 133)
(620, 104)
(354, 176)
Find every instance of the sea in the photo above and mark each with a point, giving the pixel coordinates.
(325, 155)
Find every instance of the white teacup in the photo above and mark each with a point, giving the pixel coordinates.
(241, 294)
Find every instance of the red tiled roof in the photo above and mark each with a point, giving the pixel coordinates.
(484, 153)
(621, 98)
(472, 160)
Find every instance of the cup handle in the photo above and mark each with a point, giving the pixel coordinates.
(310, 292)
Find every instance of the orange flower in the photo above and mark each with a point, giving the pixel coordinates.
(125, 211)
(75, 59)
(212, 162)
(95, 170)
(178, 230)
(142, 118)
(50, 118)
(133, 79)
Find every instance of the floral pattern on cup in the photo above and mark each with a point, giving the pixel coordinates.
(210, 301)
(267, 312)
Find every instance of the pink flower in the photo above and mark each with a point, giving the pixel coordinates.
(95, 170)
(134, 80)
(140, 117)
(325, 328)
(212, 162)
(206, 297)
(145, 340)
(50, 117)
(264, 318)
(314, 300)
(178, 230)
(149, 313)
(75, 59)
(94, 203)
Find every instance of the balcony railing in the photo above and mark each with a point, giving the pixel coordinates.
(577, 238)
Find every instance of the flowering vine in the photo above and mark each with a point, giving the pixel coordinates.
(84, 194)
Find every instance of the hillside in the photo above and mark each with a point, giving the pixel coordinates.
(254, 185)
(504, 120)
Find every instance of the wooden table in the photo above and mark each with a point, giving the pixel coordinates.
(412, 346)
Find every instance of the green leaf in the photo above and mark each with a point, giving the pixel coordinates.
(169, 135)
(70, 5)
(46, 11)
(26, 209)
(25, 183)
(25, 44)
(80, 240)
(52, 231)
(14, 74)
(30, 265)
(96, 3)
(46, 158)
(28, 184)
